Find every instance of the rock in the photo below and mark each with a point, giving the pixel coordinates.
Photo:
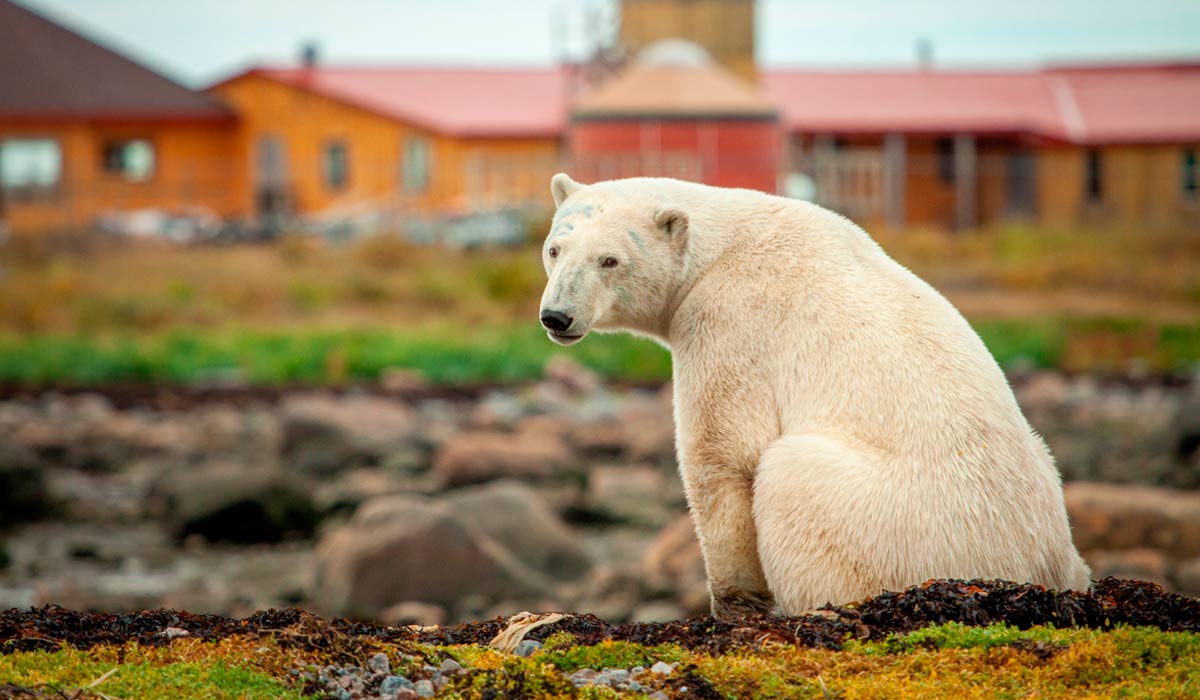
(528, 647)
(1187, 577)
(583, 676)
(1114, 517)
(673, 562)
(649, 433)
(572, 375)
(352, 488)
(402, 380)
(110, 442)
(639, 494)
(226, 503)
(603, 438)
(425, 688)
(657, 611)
(515, 516)
(613, 607)
(392, 684)
(325, 434)
(405, 548)
(662, 668)
(1141, 564)
(23, 492)
(380, 663)
(472, 458)
(1046, 388)
(450, 666)
(413, 612)
(541, 426)
(498, 410)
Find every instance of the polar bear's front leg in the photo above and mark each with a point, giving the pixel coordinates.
(721, 503)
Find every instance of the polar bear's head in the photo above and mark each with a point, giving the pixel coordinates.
(614, 258)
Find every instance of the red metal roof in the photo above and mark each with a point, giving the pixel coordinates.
(1080, 104)
(1085, 105)
(48, 73)
(458, 101)
(1122, 105)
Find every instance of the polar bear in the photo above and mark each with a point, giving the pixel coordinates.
(840, 428)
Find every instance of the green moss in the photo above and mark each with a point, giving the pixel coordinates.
(946, 661)
(612, 654)
(955, 635)
(71, 669)
(515, 677)
(559, 640)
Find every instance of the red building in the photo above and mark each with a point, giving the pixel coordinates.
(676, 113)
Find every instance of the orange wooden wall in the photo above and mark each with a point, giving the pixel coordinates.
(376, 145)
(195, 165)
(1141, 185)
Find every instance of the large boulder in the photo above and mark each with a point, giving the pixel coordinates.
(1116, 517)
(230, 504)
(476, 457)
(324, 434)
(403, 548)
(23, 492)
(649, 430)
(1141, 564)
(638, 493)
(674, 564)
(523, 522)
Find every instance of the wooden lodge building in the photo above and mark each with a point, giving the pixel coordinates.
(84, 130)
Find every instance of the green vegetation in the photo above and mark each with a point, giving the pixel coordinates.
(71, 670)
(612, 654)
(299, 310)
(946, 661)
(448, 354)
(320, 357)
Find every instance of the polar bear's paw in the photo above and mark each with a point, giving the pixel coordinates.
(733, 604)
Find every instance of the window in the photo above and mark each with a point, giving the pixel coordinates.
(1093, 185)
(30, 168)
(1189, 174)
(416, 164)
(335, 165)
(945, 160)
(132, 159)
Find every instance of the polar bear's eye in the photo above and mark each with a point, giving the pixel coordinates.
(608, 262)
(553, 252)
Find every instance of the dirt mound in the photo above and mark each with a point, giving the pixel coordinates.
(1109, 602)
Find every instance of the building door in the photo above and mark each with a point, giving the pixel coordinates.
(271, 177)
(1020, 184)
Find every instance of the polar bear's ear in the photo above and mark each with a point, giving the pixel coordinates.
(561, 187)
(673, 222)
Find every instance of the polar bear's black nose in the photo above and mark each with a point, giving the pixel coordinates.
(556, 321)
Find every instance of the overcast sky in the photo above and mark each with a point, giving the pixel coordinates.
(199, 41)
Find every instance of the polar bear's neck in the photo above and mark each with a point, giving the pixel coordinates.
(744, 231)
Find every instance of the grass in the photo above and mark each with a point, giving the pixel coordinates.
(316, 357)
(447, 354)
(138, 675)
(946, 661)
(300, 311)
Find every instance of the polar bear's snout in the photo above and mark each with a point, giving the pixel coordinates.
(556, 321)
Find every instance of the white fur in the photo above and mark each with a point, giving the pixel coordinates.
(841, 430)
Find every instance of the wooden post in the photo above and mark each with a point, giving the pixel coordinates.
(895, 172)
(965, 215)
